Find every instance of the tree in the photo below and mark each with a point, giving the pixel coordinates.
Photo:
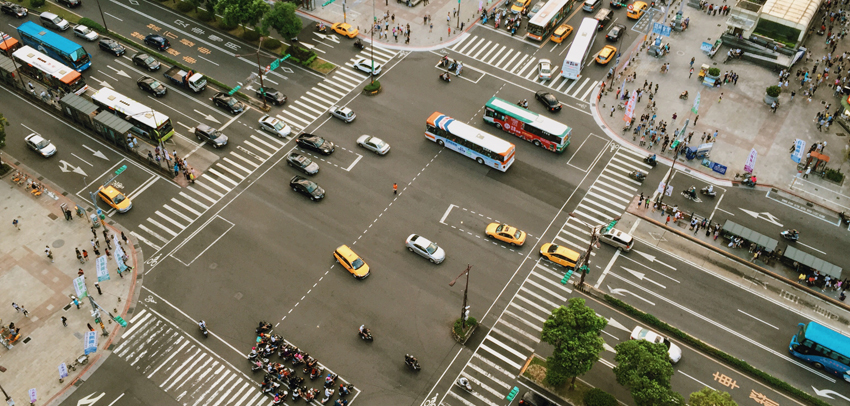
(3, 124)
(210, 6)
(242, 12)
(710, 397)
(284, 20)
(574, 332)
(644, 367)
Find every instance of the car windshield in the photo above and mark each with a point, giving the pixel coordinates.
(378, 143)
(553, 248)
(319, 142)
(42, 144)
(149, 60)
(357, 263)
(519, 3)
(231, 102)
(215, 134)
(431, 248)
(544, 68)
(518, 234)
(119, 198)
(500, 228)
(84, 30)
(155, 84)
(667, 343)
(310, 186)
(279, 125)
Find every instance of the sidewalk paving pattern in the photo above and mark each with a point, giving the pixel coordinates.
(513, 337)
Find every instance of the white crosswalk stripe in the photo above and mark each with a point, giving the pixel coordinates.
(496, 362)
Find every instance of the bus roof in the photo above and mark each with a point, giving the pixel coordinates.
(582, 39)
(7, 42)
(548, 11)
(57, 41)
(544, 123)
(46, 64)
(129, 107)
(472, 134)
(829, 338)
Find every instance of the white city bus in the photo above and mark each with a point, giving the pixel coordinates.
(48, 71)
(544, 22)
(580, 48)
(146, 122)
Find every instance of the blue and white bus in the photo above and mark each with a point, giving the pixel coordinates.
(486, 149)
(822, 347)
(67, 52)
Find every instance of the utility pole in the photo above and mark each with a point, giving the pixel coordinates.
(9, 400)
(582, 265)
(464, 310)
(260, 70)
(372, 43)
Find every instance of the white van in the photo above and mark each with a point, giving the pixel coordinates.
(618, 239)
(51, 20)
(591, 5)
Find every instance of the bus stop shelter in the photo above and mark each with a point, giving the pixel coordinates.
(732, 229)
(808, 262)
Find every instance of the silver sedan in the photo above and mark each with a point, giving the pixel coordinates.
(425, 248)
(373, 144)
(342, 113)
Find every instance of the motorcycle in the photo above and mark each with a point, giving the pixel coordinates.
(328, 394)
(321, 28)
(690, 193)
(203, 330)
(650, 160)
(637, 175)
(684, 95)
(345, 390)
(412, 362)
(749, 181)
(264, 327)
(464, 383)
(792, 235)
(309, 394)
(330, 380)
(254, 356)
(445, 77)
(296, 393)
(358, 44)
(707, 192)
(256, 365)
(844, 217)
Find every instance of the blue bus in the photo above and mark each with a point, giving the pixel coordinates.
(54, 45)
(823, 348)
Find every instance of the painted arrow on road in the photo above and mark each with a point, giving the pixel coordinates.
(96, 153)
(616, 324)
(763, 215)
(65, 165)
(88, 400)
(828, 393)
(651, 258)
(621, 292)
(208, 117)
(608, 348)
(119, 72)
(102, 82)
(641, 275)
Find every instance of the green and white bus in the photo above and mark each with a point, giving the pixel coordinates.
(528, 125)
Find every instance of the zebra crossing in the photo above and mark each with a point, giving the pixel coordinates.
(317, 101)
(522, 65)
(179, 212)
(496, 362)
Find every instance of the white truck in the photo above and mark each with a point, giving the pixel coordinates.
(189, 79)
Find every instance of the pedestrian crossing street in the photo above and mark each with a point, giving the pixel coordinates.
(496, 362)
(174, 216)
(522, 65)
(317, 101)
(184, 368)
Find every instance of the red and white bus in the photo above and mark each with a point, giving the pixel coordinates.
(528, 125)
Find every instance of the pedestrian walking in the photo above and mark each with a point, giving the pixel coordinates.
(431, 27)
(16, 224)
(692, 61)
(395, 188)
(95, 243)
(691, 73)
(108, 245)
(49, 254)
(64, 321)
(96, 252)
(640, 199)
(93, 232)
(17, 308)
(449, 20)
(719, 99)
(124, 237)
(668, 220)
(97, 286)
(808, 170)
(25, 311)
(89, 326)
(76, 302)
(79, 255)
(696, 227)
(105, 234)
(106, 251)
(86, 255)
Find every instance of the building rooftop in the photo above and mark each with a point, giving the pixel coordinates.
(796, 13)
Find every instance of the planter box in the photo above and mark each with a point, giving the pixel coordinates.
(463, 340)
(373, 92)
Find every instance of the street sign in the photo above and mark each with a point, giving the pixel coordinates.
(661, 29)
(275, 64)
(327, 2)
(63, 371)
(751, 161)
(80, 287)
(121, 169)
(718, 168)
(100, 266)
(285, 57)
(90, 341)
(234, 90)
(705, 47)
(799, 147)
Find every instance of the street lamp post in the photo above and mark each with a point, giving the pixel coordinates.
(260, 71)
(581, 265)
(372, 44)
(102, 18)
(9, 400)
(464, 310)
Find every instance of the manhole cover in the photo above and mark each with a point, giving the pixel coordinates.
(52, 216)
(213, 265)
(238, 296)
(58, 243)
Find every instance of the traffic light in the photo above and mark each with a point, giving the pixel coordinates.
(584, 269)
(513, 394)
(567, 277)
(120, 320)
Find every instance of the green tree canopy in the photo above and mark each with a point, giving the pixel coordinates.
(3, 124)
(710, 397)
(644, 367)
(574, 332)
(283, 19)
(242, 12)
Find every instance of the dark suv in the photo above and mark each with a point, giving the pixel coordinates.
(533, 399)
(71, 3)
(13, 9)
(158, 42)
(211, 135)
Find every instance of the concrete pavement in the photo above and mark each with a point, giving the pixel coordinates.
(742, 119)
(29, 278)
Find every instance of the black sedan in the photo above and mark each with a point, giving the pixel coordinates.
(302, 163)
(157, 41)
(548, 100)
(151, 86)
(307, 187)
(112, 46)
(13, 9)
(146, 61)
(272, 96)
(315, 143)
(228, 102)
(616, 32)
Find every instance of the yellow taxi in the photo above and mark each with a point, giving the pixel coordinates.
(563, 31)
(115, 199)
(351, 262)
(636, 10)
(519, 6)
(606, 54)
(345, 29)
(560, 255)
(506, 233)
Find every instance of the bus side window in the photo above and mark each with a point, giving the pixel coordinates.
(500, 116)
(489, 112)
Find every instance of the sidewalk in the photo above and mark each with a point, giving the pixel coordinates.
(742, 118)
(30, 279)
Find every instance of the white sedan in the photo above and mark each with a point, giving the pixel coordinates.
(426, 248)
(85, 32)
(343, 113)
(544, 69)
(365, 65)
(640, 333)
(373, 144)
(274, 126)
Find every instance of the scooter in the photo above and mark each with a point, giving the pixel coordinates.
(365, 336)
(708, 193)
(690, 193)
(792, 235)
(411, 362)
(844, 218)
(203, 330)
(256, 365)
(637, 175)
(749, 181)
(345, 390)
(264, 327)
(445, 77)
(684, 95)
(464, 383)
(358, 44)
(321, 28)
(650, 160)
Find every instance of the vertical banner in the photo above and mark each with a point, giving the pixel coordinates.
(102, 272)
(695, 109)
(90, 341)
(630, 107)
(118, 254)
(751, 161)
(799, 147)
(32, 396)
(63, 371)
(80, 287)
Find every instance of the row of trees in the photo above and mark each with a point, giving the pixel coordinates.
(256, 14)
(642, 366)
